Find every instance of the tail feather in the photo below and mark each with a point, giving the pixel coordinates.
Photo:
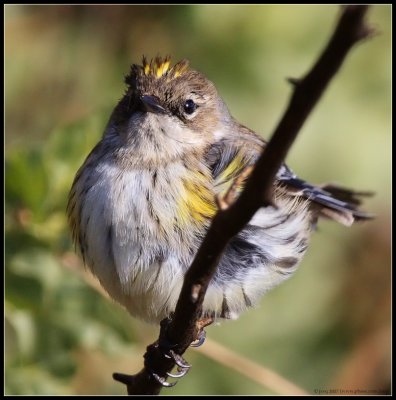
(348, 195)
(335, 202)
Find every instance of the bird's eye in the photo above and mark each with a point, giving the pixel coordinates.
(190, 106)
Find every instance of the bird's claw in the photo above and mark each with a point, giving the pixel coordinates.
(166, 348)
(179, 360)
(162, 381)
(182, 372)
(200, 339)
(182, 366)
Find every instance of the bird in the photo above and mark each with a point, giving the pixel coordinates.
(143, 199)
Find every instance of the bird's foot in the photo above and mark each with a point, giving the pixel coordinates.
(200, 339)
(167, 349)
(201, 335)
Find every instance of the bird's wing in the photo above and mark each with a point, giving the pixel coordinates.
(229, 157)
(227, 161)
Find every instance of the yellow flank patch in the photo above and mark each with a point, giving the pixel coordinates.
(197, 204)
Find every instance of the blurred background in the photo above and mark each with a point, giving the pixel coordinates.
(328, 327)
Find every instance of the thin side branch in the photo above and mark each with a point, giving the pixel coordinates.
(351, 29)
(250, 369)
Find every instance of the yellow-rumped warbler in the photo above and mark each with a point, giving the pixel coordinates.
(142, 201)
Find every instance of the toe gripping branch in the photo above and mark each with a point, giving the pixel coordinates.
(160, 358)
(167, 349)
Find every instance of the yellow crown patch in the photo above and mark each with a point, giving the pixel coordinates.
(159, 67)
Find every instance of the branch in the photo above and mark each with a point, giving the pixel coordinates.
(182, 329)
(249, 369)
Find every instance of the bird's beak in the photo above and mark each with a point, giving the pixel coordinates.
(152, 104)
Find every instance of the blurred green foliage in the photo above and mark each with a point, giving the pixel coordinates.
(327, 327)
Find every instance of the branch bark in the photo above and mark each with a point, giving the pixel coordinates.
(351, 28)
